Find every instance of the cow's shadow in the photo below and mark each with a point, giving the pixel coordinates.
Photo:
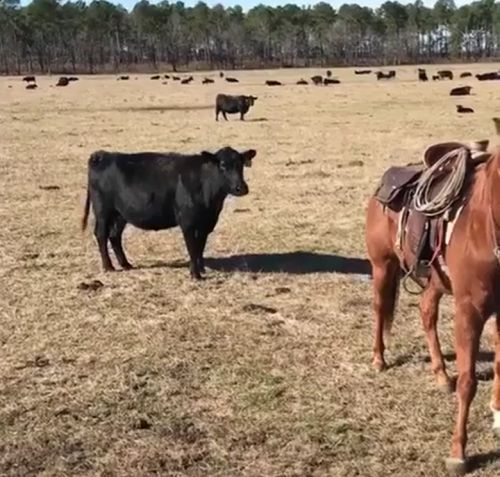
(296, 263)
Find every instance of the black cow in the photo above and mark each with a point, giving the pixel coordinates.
(422, 75)
(156, 191)
(29, 79)
(463, 110)
(465, 74)
(461, 91)
(207, 81)
(435, 78)
(166, 76)
(31, 86)
(317, 80)
(302, 82)
(176, 78)
(63, 81)
(389, 75)
(273, 83)
(221, 74)
(328, 73)
(328, 81)
(232, 80)
(488, 76)
(445, 74)
(362, 72)
(187, 80)
(155, 77)
(226, 104)
(72, 79)
(123, 78)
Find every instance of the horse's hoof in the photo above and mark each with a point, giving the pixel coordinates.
(379, 365)
(456, 467)
(447, 387)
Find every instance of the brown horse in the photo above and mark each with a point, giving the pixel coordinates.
(472, 258)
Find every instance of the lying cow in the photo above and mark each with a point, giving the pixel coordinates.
(389, 75)
(461, 91)
(488, 76)
(227, 104)
(317, 79)
(273, 83)
(154, 191)
(362, 72)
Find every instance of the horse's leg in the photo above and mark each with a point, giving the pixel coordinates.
(385, 291)
(429, 311)
(469, 325)
(495, 402)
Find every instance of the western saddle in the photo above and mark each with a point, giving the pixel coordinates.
(428, 199)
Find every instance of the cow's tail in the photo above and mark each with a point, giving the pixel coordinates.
(86, 210)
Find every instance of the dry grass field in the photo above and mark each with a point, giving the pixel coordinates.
(263, 369)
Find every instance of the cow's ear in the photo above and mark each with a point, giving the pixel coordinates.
(248, 156)
(208, 156)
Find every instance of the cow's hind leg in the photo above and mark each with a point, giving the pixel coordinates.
(224, 115)
(101, 232)
(115, 238)
(429, 311)
(495, 402)
(469, 325)
(385, 292)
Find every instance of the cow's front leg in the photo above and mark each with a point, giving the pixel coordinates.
(192, 239)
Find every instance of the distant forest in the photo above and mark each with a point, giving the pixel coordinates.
(48, 36)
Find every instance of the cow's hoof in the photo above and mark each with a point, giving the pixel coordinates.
(456, 467)
(127, 266)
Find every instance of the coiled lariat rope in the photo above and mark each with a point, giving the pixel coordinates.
(452, 183)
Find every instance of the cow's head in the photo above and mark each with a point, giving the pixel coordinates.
(250, 100)
(230, 164)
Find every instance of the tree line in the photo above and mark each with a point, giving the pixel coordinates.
(48, 36)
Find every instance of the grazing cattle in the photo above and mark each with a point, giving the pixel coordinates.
(445, 74)
(463, 110)
(389, 75)
(63, 81)
(31, 86)
(488, 76)
(232, 80)
(328, 74)
(29, 79)
(72, 79)
(273, 83)
(187, 80)
(227, 104)
(207, 81)
(176, 78)
(123, 78)
(362, 72)
(302, 82)
(155, 191)
(435, 78)
(461, 91)
(155, 77)
(463, 262)
(221, 75)
(317, 80)
(328, 81)
(166, 76)
(422, 75)
(465, 74)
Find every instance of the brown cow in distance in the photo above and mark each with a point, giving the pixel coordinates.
(155, 77)
(187, 80)
(273, 83)
(461, 91)
(232, 80)
(389, 75)
(435, 78)
(422, 75)
(31, 86)
(207, 81)
(465, 74)
(445, 74)
(464, 110)
(302, 82)
(29, 79)
(328, 81)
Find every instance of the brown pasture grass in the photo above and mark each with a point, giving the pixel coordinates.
(264, 368)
